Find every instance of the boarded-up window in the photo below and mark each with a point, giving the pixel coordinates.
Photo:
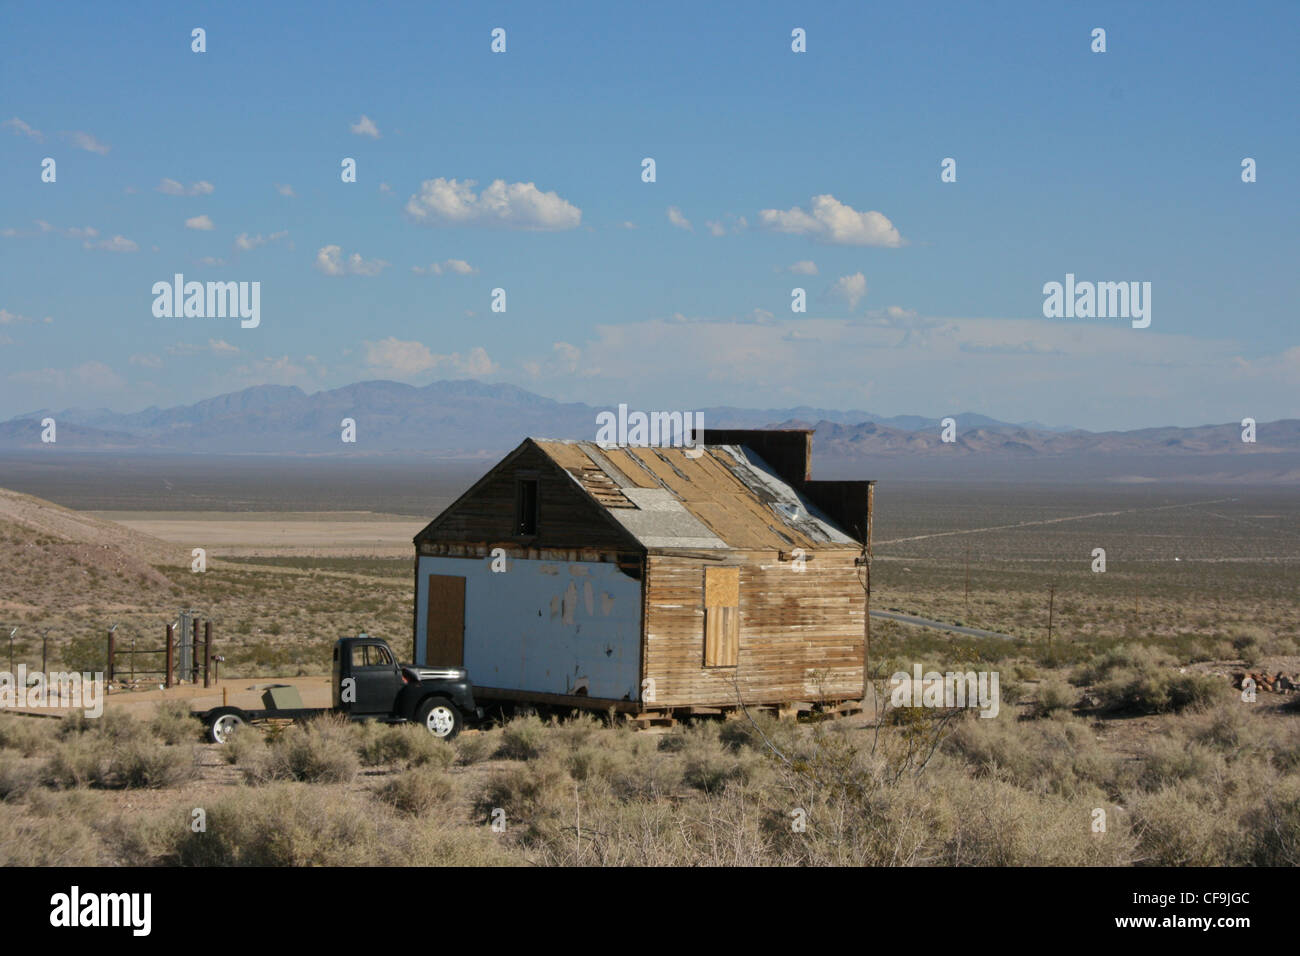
(721, 617)
(526, 506)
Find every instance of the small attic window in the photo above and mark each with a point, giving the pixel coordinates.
(526, 506)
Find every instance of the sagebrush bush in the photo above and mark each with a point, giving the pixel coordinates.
(28, 736)
(476, 746)
(417, 792)
(1158, 692)
(522, 738)
(323, 750)
(1054, 696)
(294, 824)
(410, 745)
(173, 723)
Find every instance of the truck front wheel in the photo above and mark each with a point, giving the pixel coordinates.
(223, 722)
(439, 716)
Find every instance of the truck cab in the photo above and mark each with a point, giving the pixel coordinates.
(370, 684)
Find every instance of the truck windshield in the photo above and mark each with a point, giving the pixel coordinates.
(371, 655)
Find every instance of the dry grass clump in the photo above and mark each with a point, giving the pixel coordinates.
(28, 736)
(476, 746)
(1060, 756)
(92, 759)
(417, 792)
(322, 750)
(522, 738)
(408, 745)
(295, 824)
(173, 723)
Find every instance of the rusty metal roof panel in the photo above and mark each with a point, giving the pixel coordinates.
(718, 496)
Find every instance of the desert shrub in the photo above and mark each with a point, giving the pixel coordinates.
(76, 762)
(33, 839)
(146, 764)
(475, 747)
(992, 823)
(1272, 827)
(532, 795)
(1060, 755)
(28, 736)
(1054, 696)
(320, 751)
(112, 727)
(1140, 658)
(708, 764)
(1183, 825)
(579, 730)
(244, 745)
(1170, 760)
(416, 792)
(1156, 692)
(522, 738)
(406, 744)
(173, 723)
(15, 776)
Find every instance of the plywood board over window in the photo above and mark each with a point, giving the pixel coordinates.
(721, 617)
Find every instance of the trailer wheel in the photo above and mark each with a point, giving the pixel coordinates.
(223, 722)
(440, 717)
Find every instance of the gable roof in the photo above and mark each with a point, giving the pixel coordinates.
(718, 496)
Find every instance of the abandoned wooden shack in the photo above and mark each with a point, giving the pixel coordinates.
(651, 579)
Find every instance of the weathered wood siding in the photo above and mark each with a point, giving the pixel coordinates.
(566, 517)
(801, 634)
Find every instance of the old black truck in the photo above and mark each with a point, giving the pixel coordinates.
(369, 684)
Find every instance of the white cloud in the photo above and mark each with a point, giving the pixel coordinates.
(218, 347)
(12, 318)
(147, 361)
(22, 129)
(116, 244)
(202, 223)
(628, 224)
(716, 228)
(512, 205)
(95, 376)
(851, 288)
(329, 260)
(275, 371)
(210, 261)
(458, 266)
(365, 127)
(804, 267)
(171, 187)
(832, 221)
(284, 189)
(245, 243)
(677, 219)
(88, 142)
(405, 359)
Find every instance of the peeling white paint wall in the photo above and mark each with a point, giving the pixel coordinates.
(544, 626)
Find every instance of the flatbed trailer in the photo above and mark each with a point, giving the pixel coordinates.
(369, 684)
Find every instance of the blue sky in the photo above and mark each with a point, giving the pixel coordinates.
(1115, 166)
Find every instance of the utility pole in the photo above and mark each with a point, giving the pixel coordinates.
(1051, 604)
(968, 580)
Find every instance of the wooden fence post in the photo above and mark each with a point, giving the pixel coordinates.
(207, 651)
(171, 650)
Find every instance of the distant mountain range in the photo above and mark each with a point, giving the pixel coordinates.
(467, 419)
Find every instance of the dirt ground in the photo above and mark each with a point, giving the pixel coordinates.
(271, 533)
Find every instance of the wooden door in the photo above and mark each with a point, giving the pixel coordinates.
(444, 642)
